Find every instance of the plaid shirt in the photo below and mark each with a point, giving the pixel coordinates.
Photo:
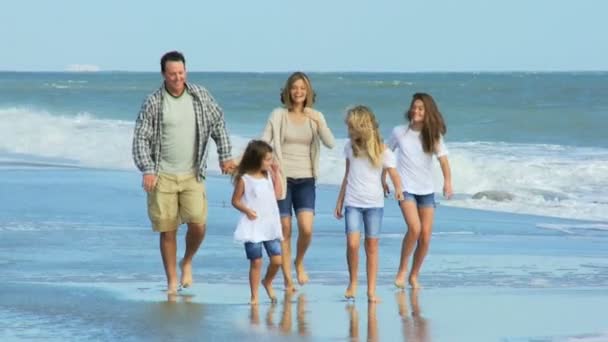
(209, 123)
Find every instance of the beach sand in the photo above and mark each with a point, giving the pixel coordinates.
(78, 261)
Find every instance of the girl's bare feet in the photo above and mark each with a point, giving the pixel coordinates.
(290, 287)
(301, 273)
(269, 290)
(400, 280)
(413, 280)
(351, 291)
(186, 273)
(372, 298)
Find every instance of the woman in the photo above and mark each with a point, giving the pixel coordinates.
(295, 132)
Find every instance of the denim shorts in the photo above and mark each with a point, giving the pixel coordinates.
(299, 195)
(369, 218)
(254, 249)
(422, 201)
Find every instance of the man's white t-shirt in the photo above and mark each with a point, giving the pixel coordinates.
(415, 166)
(363, 183)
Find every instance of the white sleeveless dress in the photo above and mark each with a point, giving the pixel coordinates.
(259, 196)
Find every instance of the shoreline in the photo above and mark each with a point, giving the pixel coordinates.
(81, 263)
(314, 313)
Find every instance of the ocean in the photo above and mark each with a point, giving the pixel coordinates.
(539, 138)
(518, 255)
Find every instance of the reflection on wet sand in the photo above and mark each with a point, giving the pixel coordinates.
(177, 316)
(353, 318)
(415, 327)
(175, 297)
(372, 322)
(254, 315)
(285, 325)
(270, 316)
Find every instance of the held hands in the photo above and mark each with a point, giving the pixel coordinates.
(228, 166)
(386, 189)
(149, 182)
(399, 195)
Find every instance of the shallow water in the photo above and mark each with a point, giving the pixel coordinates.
(79, 262)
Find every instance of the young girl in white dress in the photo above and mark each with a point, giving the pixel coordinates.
(361, 194)
(257, 185)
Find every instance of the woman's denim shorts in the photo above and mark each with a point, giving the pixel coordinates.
(299, 195)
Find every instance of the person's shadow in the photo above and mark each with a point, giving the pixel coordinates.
(415, 326)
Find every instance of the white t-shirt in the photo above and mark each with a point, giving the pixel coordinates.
(363, 183)
(415, 166)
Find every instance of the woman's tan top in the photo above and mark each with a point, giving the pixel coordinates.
(296, 150)
(275, 134)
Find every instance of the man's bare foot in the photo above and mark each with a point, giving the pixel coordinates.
(172, 297)
(351, 291)
(253, 301)
(171, 289)
(371, 298)
(400, 280)
(301, 273)
(269, 290)
(186, 273)
(413, 280)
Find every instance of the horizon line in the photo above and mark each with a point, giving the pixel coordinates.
(315, 71)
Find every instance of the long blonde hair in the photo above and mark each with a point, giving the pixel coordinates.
(364, 134)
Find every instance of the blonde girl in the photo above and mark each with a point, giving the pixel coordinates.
(361, 194)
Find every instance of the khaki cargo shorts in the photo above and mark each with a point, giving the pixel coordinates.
(177, 199)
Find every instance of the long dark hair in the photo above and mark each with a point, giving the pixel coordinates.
(253, 158)
(434, 125)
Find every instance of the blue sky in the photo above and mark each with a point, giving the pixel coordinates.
(313, 35)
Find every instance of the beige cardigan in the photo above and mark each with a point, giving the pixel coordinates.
(274, 134)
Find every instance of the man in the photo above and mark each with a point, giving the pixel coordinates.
(170, 148)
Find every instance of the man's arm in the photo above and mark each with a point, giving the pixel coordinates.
(142, 137)
(219, 133)
(142, 151)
